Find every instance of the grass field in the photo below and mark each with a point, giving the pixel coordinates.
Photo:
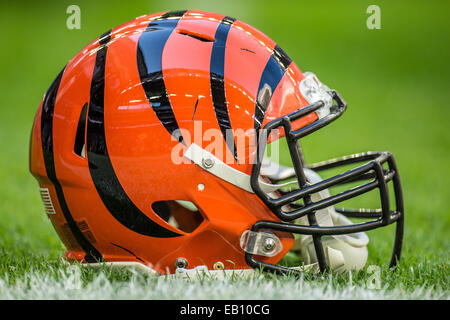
(395, 80)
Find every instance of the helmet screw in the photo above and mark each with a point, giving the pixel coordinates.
(181, 263)
(218, 266)
(268, 244)
(207, 163)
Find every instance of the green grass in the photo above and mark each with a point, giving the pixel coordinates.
(395, 80)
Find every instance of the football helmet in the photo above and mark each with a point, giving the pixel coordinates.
(150, 148)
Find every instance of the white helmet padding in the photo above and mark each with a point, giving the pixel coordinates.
(343, 252)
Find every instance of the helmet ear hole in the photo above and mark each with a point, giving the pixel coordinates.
(180, 214)
(162, 209)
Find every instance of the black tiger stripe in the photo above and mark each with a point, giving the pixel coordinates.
(274, 70)
(149, 54)
(48, 107)
(282, 58)
(217, 70)
(102, 172)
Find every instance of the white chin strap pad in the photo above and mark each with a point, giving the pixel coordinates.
(343, 252)
(340, 254)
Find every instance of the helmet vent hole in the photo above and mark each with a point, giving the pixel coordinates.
(196, 35)
(181, 214)
(80, 136)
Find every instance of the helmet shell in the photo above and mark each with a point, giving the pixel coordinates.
(145, 88)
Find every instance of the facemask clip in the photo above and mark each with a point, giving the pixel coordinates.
(261, 243)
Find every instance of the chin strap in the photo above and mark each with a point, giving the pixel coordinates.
(225, 172)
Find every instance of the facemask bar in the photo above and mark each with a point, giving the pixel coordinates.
(371, 169)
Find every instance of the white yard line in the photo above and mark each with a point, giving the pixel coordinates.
(68, 286)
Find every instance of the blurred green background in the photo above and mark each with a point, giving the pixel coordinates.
(395, 80)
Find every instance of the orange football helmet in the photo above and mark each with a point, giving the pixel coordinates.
(122, 147)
